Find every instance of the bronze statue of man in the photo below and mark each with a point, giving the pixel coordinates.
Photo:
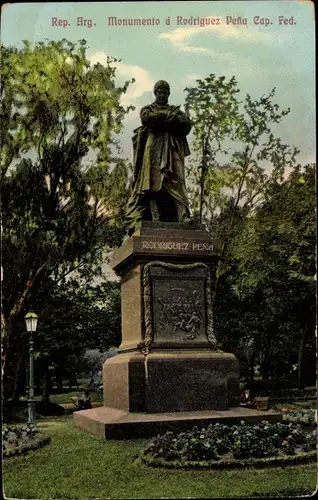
(160, 146)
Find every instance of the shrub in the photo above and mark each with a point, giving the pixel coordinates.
(300, 416)
(242, 441)
(18, 439)
(292, 394)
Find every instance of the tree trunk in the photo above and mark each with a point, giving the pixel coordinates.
(73, 381)
(266, 345)
(18, 370)
(47, 386)
(7, 326)
(10, 370)
(301, 350)
(6, 333)
(3, 341)
(59, 379)
(251, 364)
(265, 365)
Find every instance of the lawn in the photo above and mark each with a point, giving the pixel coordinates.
(294, 405)
(75, 465)
(65, 397)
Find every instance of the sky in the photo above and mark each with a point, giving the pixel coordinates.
(248, 40)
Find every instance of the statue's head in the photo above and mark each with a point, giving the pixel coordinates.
(162, 92)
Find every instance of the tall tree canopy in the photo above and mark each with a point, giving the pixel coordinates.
(275, 263)
(238, 153)
(263, 220)
(62, 177)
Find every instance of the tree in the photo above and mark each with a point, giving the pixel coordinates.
(240, 155)
(213, 108)
(75, 318)
(242, 169)
(276, 260)
(62, 181)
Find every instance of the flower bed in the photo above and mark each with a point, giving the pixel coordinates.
(20, 439)
(306, 417)
(221, 445)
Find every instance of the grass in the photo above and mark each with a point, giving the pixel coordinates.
(294, 405)
(75, 465)
(65, 397)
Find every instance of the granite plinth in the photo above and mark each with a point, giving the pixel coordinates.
(110, 423)
(171, 242)
(166, 270)
(171, 381)
(178, 305)
(132, 310)
(168, 374)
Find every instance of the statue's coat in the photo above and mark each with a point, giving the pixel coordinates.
(160, 146)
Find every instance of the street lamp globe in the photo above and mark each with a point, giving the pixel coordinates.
(31, 321)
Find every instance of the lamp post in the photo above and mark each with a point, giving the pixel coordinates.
(31, 321)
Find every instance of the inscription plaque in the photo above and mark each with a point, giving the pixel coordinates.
(150, 245)
(177, 245)
(174, 244)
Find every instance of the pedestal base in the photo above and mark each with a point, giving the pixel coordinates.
(171, 381)
(169, 374)
(110, 423)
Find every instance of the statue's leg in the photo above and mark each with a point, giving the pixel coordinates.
(142, 211)
(182, 212)
(166, 206)
(154, 209)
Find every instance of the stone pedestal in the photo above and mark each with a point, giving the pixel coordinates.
(168, 358)
(169, 367)
(168, 381)
(165, 271)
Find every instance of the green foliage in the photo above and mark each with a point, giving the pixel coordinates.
(62, 177)
(242, 167)
(279, 238)
(51, 96)
(233, 441)
(19, 439)
(259, 205)
(235, 144)
(274, 257)
(300, 417)
(294, 394)
(67, 216)
(75, 318)
(210, 128)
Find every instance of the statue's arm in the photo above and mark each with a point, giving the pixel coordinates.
(173, 120)
(150, 118)
(184, 123)
(179, 122)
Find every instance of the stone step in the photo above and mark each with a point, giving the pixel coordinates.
(110, 423)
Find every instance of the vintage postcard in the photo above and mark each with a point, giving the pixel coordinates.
(158, 233)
